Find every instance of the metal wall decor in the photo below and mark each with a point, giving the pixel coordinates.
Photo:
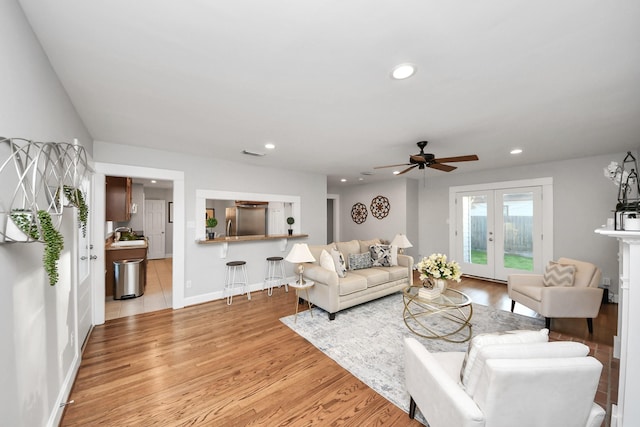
(380, 207)
(359, 213)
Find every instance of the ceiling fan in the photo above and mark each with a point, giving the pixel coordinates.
(423, 159)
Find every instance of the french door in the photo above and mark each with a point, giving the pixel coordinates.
(499, 231)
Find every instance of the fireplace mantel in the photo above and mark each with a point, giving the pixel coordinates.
(627, 344)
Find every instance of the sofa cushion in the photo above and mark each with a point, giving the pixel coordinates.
(316, 250)
(365, 244)
(381, 255)
(326, 261)
(352, 283)
(374, 276)
(482, 340)
(339, 263)
(359, 261)
(350, 247)
(395, 273)
(557, 274)
(537, 350)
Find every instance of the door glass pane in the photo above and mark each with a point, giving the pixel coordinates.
(474, 229)
(517, 215)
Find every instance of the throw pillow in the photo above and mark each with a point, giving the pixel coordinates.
(339, 263)
(359, 261)
(482, 340)
(558, 274)
(326, 261)
(380, 255)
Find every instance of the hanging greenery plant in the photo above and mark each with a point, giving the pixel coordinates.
(53, 245)
(76, 198)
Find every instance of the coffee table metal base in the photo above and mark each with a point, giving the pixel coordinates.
(446, 317)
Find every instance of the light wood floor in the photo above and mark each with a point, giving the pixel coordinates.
(237, 365)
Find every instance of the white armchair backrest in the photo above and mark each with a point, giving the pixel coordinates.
(587, 274)
(538, 392)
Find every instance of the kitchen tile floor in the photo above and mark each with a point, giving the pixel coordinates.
(157, 294)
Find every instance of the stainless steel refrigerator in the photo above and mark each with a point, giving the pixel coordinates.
(246, 221)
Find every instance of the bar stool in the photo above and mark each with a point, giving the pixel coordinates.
(230, 279)
(274, 274)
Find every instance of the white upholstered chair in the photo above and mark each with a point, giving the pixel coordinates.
(555, 388)
(581, 300)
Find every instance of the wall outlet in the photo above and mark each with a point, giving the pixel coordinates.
(606, 281)
(188, 284)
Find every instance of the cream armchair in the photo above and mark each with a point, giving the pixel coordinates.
(581, 300)
(555, 388)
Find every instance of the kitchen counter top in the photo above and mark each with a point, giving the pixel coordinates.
(113, 246)
(252, 238)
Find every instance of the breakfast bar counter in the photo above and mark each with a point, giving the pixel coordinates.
(223, 242)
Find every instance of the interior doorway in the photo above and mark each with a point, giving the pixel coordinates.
(99, 224)
(333, 218)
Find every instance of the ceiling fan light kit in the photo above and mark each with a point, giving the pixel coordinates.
(422, 160)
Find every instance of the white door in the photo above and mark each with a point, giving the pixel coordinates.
(154, 227)
(499, 232)
(84, 264)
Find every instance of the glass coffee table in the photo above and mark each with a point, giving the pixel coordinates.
(445, 317)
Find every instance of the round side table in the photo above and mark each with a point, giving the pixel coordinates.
(302, 287)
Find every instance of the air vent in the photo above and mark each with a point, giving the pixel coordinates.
(252, 153)
(366, 173)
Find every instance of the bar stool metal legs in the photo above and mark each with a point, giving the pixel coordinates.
(232, 269)
(274, 274)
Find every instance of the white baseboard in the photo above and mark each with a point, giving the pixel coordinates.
(213, 296)
(65, 391)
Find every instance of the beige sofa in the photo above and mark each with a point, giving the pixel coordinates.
(333, 293)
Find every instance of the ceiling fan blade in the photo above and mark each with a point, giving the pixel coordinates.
(440, 166)
(457, 159)
(391, 166)
(407, 169)
(418, 158)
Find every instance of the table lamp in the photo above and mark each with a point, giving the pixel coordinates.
(299, 254)
(401, 242)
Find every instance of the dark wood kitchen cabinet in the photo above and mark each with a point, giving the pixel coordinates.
(118, 199)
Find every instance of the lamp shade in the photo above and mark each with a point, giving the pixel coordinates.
(401, 241)
(300, 253)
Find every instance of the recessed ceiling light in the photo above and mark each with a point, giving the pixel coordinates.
(343, 180)
(269, 146)
(516, 151)
(361, 179)
(396, 172)
(403, 71)
(153, 181)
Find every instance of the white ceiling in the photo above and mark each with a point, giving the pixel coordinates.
(560, 79)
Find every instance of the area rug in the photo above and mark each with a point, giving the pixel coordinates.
(367, 340)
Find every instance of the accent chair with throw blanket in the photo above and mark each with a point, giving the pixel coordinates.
(568, 288)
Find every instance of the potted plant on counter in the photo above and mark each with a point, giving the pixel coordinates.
(290, 221)
(211, 224)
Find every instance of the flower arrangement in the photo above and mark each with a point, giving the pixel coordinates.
(435, 266)
(616, 173)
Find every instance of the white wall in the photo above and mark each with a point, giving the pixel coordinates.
(203, 265)
(402, 216)
(36, 322)
(583, 199)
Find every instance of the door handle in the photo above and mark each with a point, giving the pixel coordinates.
(83, 258)
(491, 239)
